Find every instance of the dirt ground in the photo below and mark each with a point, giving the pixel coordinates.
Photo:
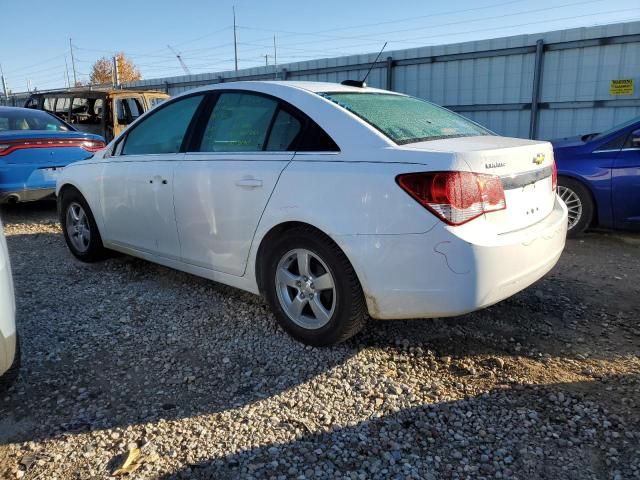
(124, 354)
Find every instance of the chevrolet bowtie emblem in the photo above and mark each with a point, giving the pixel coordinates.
(538, 159)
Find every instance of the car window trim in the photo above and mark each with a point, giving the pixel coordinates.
(304, 119)
(196, 144)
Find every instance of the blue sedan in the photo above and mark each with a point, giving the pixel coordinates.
(599, 178)
(34, 147)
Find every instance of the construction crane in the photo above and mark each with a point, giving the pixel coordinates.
(182, 64)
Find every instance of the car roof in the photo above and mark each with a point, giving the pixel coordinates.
(313, 87)
(13, 109)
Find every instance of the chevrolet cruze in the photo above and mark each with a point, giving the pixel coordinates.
(336, 202)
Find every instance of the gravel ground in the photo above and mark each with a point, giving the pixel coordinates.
(124, 353)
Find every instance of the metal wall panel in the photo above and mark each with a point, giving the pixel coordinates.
(490, 81)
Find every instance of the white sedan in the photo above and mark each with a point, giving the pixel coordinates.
(8, 335)
(333, 201)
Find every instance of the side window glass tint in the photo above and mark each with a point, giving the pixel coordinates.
(316, 140)
(238, 123)
(284, 131)
(164, 130)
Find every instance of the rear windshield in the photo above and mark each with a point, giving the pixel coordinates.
(25, 119)
(406, 119)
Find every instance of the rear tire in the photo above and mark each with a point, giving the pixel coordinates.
(80, 229)
(579, 203)
(312, 288)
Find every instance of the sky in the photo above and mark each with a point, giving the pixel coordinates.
(34, 35)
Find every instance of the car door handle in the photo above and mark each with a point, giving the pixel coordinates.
(249, 183)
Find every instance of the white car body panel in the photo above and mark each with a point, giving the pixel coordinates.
(127, 188)
(220, 207)
(7, 309)
(220, 199)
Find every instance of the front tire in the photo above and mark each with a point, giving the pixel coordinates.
(579, 204)
(312, 288)
(79, 227)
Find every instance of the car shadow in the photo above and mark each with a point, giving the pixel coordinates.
(125, 342)
(502, 433)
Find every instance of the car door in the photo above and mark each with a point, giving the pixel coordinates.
(137, 182)
(223, 184)
(626, 183)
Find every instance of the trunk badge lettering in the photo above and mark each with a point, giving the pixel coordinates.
(494, 165)
(538, 159)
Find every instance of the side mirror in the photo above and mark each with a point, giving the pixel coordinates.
(635, 138)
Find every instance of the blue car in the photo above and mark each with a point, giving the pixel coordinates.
(34, 147)
(599, 178)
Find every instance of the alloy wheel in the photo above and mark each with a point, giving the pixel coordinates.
(78, 227)
(573, 203)
(306, 288)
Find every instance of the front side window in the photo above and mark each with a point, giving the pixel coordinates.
(163, 130)
(406, 119)
(239, 122)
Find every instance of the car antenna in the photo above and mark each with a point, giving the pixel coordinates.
(361, 83)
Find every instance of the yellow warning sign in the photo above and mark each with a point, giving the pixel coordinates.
(621, 87)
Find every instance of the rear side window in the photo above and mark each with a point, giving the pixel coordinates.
(315, 139)
(163, 131)
(284, 131)
(239, 122)
(406, 119)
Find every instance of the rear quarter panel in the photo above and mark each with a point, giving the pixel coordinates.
(343, 198)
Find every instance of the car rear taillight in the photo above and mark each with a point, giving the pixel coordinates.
(554, 176)
(89, 145)
(455, 197)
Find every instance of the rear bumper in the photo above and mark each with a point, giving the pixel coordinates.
(26, 195)
(441, 273)
(27, 183)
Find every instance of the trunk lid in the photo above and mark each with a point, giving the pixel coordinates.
(524, 166)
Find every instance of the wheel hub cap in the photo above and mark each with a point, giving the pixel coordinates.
(78, 227)
(306, 288)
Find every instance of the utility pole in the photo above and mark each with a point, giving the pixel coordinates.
(235, 42)
(28, 85)
(275, 59)
(116, 72)
(266, 60)
(4, 84)
(73, 64)
(66, 71)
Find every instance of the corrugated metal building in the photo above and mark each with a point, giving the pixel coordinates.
(544, 85)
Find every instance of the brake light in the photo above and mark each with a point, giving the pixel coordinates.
(554, 176)
(455, 197)
(89, 145)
